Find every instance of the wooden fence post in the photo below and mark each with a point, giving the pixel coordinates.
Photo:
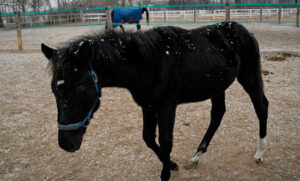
(279, 15)
(18, 27)
(195, 16)
(297, 19)
(227, 11)
(165, 16)
(260, 13)
(81, 16)
(108, 18)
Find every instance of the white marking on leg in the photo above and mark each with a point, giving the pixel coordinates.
(195, 159)
(60, 82)
(262, 147)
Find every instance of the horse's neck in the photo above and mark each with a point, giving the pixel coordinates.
(119, 75)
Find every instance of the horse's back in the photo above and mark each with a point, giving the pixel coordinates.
(197, 64)
(210, 59)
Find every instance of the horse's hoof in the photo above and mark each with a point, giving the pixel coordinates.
(258, 158)
(174, 166)
(193, 162)
(258, 161)
(165, 175)
(262, 148)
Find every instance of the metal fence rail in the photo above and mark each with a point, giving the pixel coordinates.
(28, 20)
(159, 15)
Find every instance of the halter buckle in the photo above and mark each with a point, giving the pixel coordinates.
(86, 122)
(94, 76)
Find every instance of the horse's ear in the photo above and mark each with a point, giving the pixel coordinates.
(47, 51)
(84, 52)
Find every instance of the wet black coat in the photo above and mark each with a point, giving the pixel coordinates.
(190, 65)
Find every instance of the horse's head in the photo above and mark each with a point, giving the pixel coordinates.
(75, 86)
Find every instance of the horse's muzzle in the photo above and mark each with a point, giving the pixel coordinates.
(69, 147)
(68, 143)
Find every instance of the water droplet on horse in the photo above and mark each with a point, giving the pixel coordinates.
(167, 52)
(75, 69)
(102, 40)
(207, 75)
(60, 82)
(80, 44)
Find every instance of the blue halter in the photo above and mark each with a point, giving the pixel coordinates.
(86, 121)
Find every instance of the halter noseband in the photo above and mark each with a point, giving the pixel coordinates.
(86, 121)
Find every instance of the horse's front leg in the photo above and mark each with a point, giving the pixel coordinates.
(166, 119)
(138, 26)
(217, 111)
(122, 28)
(149, 128)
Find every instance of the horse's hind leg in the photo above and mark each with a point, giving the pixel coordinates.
(122, 28)
(138, 27)
(253, 84)
(217, 111)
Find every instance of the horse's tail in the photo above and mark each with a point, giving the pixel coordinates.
(147, 14)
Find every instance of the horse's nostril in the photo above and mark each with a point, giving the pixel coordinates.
(66, 146)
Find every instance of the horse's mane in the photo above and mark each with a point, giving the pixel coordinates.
(110, 46)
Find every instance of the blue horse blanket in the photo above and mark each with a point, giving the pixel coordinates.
(130, 15)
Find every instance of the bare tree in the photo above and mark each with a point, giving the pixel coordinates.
(38, 5)
(22, 5)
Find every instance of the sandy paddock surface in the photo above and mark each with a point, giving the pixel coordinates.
(113, 148)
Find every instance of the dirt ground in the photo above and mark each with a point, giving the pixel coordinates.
(113, 148)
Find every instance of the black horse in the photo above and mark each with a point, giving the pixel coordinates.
(128, 15)
(162, 67)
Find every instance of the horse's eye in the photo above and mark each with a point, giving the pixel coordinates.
(79, 89)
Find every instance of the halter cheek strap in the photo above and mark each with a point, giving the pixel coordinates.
(86, 121)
